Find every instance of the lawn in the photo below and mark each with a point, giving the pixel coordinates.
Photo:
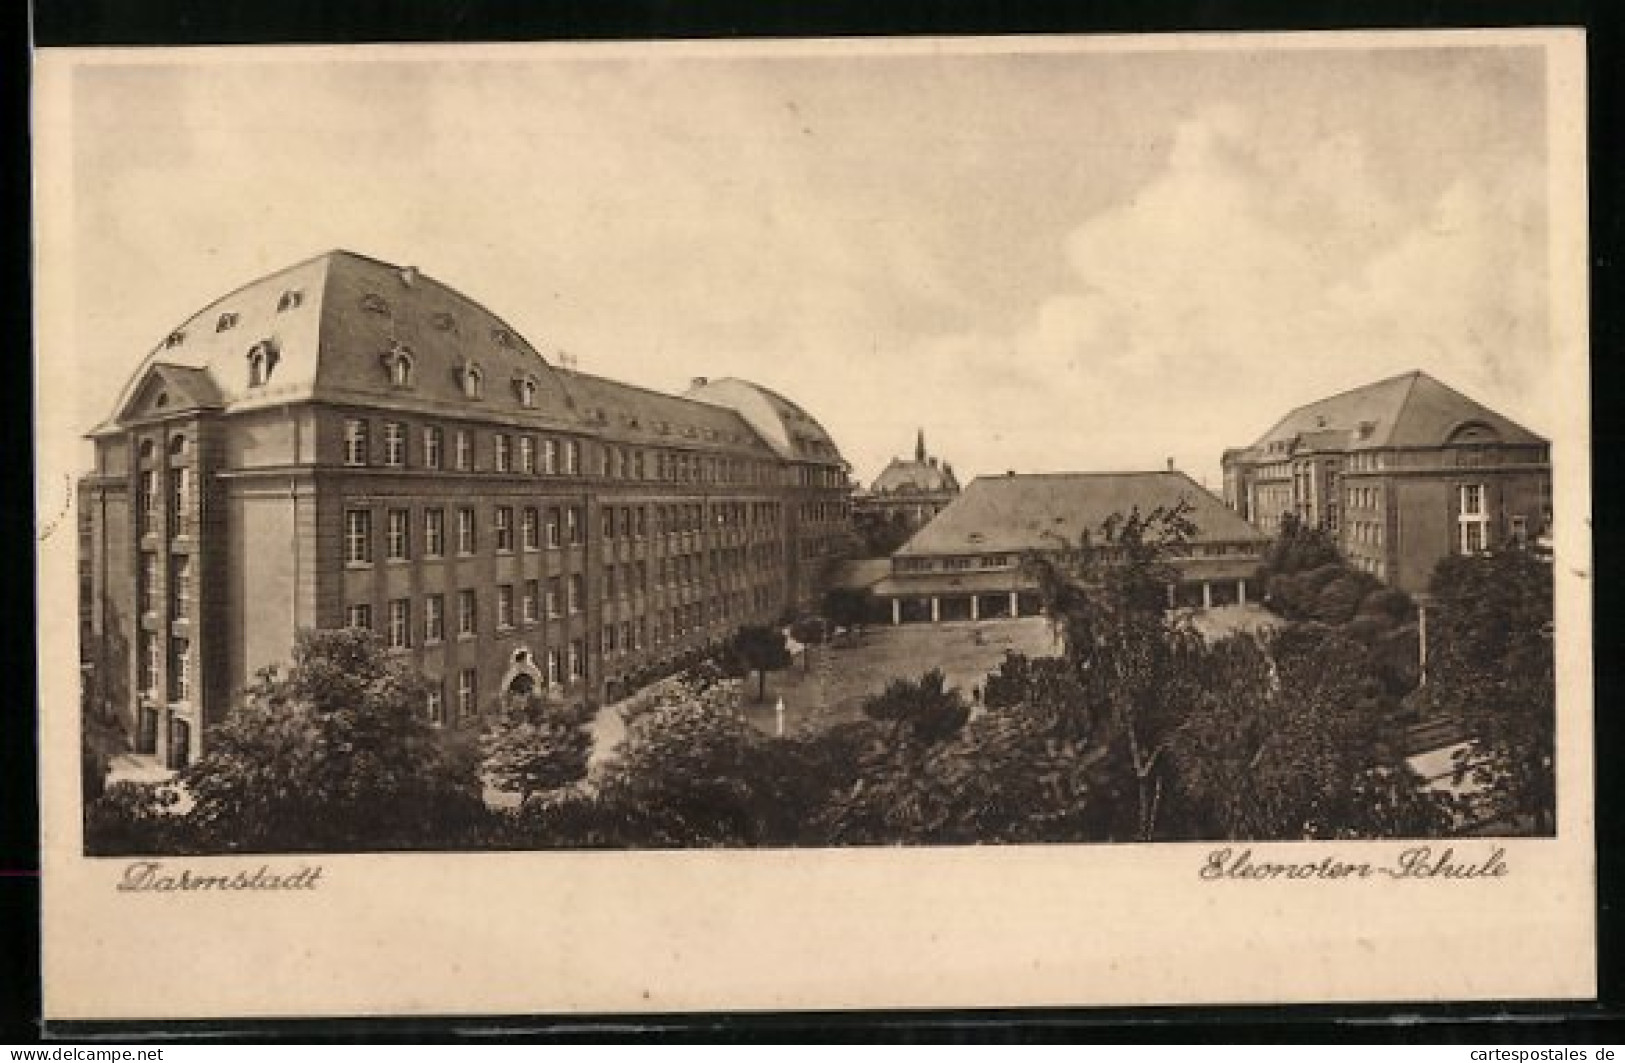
(831, 686)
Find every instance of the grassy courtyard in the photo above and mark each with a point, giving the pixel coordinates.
(832, 686)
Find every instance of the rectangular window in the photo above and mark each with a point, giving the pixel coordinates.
(527, 454)
(1472, 500)
(552, 668)
(468, 620)
(572, 525)
(465, 531)
(400, 623)
(358, 536)
(358, 617)
(398, 535)
(505, 606)
(573, 601)
(180, 584)
(464, 444)
(434, 532)
(642, 522)
(550, 456)
(1519, 527)
(609, 582)
(434, 441)
(578, 660)
(434, 618)
(394, 444)
(1472, 537)
(179, 500)
(504, 529)
(572, 457)
(355, 441)
(147, 585)
(434, 702)
(553, 529)
(504, 452)
(149, 665)
(608, 522)
(468, 692)
(531, 528)
(554, 586)
(147, 501)
(530, 606)
(180, 669)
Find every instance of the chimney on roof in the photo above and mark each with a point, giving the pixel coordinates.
(699, 382)
(932, 462)
(409, 275)
(1170, 464)
(1009, 472)
(919, 445)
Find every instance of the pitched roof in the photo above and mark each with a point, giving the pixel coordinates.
(1412, 409)
(997, 514)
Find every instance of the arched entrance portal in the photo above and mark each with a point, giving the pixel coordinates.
(522, 679)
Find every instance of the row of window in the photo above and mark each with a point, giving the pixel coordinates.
(561, 526)
(1365, 497)
(527, 453)
(954, 564)
(562, 595)
(402, 631)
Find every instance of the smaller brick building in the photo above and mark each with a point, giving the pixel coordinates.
(1403, 472)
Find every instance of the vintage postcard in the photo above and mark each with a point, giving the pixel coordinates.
(536, 529)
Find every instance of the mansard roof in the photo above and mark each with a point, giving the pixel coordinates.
(331, 328)
(791, 431)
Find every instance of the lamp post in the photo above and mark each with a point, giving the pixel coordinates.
(1423, 601)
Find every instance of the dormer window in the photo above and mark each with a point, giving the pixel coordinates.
(472, 380)
(290, 300)
(175, 339)
(177, 446)
(225, 322)
(524, 387)
(443, 322)
(374, 304)
(398, 363)
(502, 338)
(262, 359)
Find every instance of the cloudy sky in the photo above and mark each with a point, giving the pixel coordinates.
(1068, 260)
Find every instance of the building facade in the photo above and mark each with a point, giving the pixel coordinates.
(1402, 472)
(349, 443)
(967, 564)
(910, 492)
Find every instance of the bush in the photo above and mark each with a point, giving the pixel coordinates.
(137, 819)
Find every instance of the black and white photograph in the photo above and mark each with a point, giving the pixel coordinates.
(831, 450)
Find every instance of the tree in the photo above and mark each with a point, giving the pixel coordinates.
(848, 607)
(761, 649)
(1107, 597)
(534, 746)
(922, 710)
(685, 775)
(339, 755)
(1289, 740)
(1491, 666)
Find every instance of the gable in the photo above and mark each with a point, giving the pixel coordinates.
(168, 390)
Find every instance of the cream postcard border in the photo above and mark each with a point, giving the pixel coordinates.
(466, 934)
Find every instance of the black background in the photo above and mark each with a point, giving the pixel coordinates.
(207, 22)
